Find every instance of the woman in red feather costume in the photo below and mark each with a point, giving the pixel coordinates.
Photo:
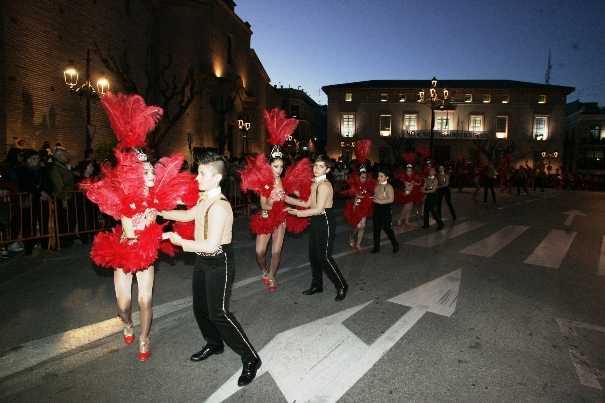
(265, 178)
(361, 185)
(132, 192)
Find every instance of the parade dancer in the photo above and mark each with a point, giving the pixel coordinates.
(443, 190)
(321, 230)
(410, 194)
(361, 186)
(132, 192)
(214, 268)
(265, 179)
(383, 216)
(430, 190)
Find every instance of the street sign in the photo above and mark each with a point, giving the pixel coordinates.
(322, 360)
(90, 129)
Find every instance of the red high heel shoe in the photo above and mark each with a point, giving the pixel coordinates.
(351, 242)
(272, 285)
(359, 249)
(144, 355)
(128, 332)
(266, 277)
(399, 223)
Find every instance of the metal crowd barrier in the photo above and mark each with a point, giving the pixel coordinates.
(48, 222)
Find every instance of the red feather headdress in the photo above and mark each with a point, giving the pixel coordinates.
(362, 150)
(130, 118)
(279, 128)
(409, 157)
(424, 151)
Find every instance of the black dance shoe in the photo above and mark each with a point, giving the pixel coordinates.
(425, 226)
(341, 293)
(396, 248)
(205, 353)
(375, 250)
(249, 372)
(313, 290)
(440, 226)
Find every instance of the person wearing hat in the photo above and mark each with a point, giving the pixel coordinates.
(20, 143)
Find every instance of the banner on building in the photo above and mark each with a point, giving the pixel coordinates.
(445, 134)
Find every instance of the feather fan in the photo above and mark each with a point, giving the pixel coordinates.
(257, 176)
(298, 177)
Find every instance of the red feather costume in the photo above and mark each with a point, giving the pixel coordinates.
(361, 205)
(410, 192)
(258, 177)
(121, 191)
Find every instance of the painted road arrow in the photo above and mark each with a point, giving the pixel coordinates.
(572, 214)
(322, 360)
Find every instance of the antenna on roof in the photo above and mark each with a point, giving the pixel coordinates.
(547, 77)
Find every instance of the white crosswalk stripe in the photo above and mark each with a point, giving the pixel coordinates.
(494, 243)
(552, 250)
(438, 237)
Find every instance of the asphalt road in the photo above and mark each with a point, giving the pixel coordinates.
(505, 304)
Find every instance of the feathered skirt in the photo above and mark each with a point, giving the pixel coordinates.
(415, 196)
(266, 221)
(108, 251)
(354, 213)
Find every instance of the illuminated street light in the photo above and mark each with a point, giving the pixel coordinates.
(85, 91)
(439, 99)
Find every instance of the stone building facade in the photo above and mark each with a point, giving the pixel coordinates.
(39, 38)
(585, 137)
(492, 114)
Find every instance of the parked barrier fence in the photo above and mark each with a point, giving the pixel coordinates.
(70, 215)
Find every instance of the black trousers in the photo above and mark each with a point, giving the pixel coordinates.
(382, 219)
(430, 205)
(211, 286)
(441, 193)
(322, 231)
(489, 184)
(521, 182)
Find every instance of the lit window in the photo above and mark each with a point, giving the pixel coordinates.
(420, 96)
(348, 97)
(502, 127)
(476, 124)
(487, 98)
(505, 98)
(410, 122)
(541, 99)
(401, 97)
(595, 134)
(384, 97)
(348, 126)
(540, 128)
(468, 97)
(385, 125)
(442, 120)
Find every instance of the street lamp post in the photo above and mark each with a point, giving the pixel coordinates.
(439, 99)
(85, 91)
(244, 126)
(550, 157)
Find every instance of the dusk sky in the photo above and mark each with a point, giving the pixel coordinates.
(314, 43)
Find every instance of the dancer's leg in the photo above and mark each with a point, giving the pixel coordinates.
(261, 251)
(145, 287)
(278, 241)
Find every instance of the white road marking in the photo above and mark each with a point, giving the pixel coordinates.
(34, 352)
(572, 214)
(322, 360)
(438, 237)
(491, 245)
(552, 250)
(586, 372)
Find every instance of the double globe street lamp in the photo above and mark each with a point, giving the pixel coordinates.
(439, 99)
(86, 91)
(244, 126)
(550, 157)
